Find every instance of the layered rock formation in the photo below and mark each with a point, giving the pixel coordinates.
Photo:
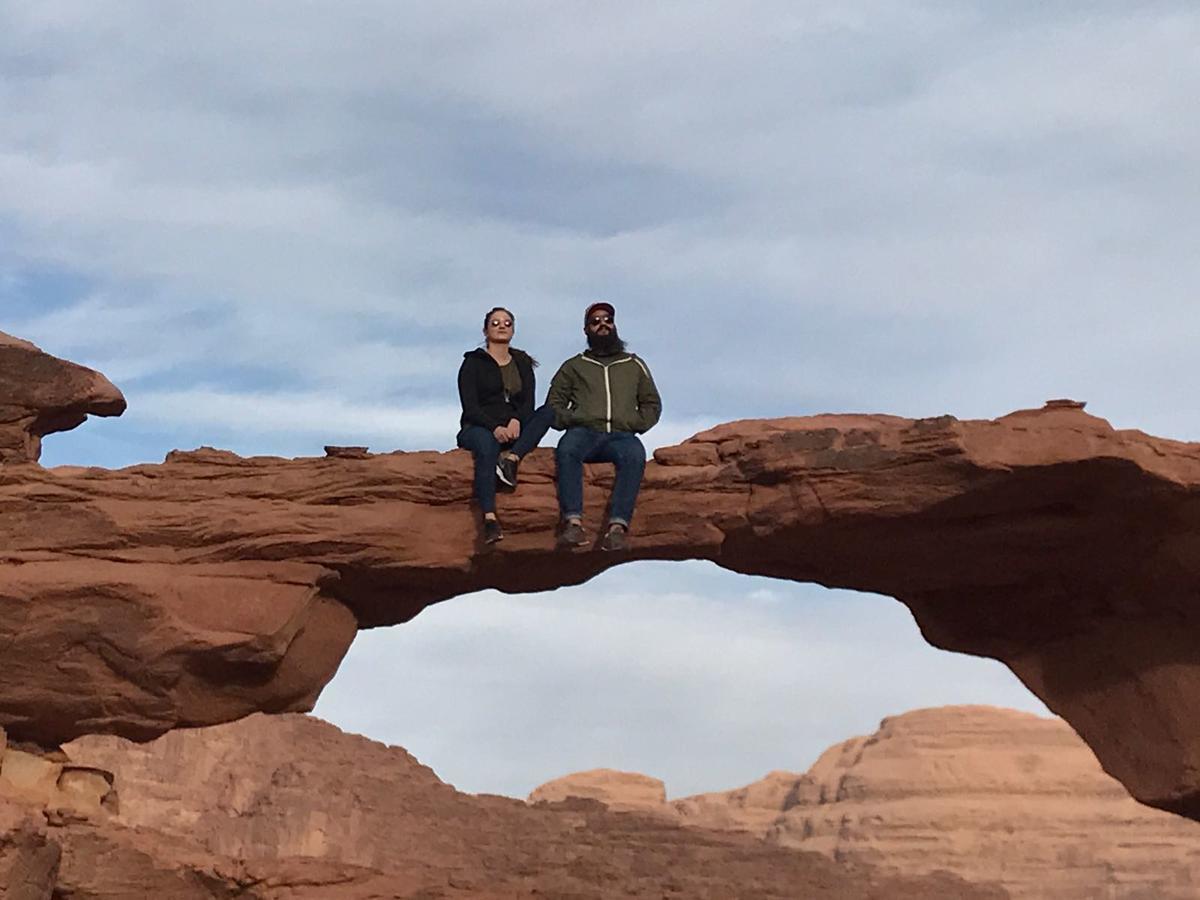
(289, 807)
(40, 395)
(204, 588)
(46, 855)
(623, 791)
(991, 795)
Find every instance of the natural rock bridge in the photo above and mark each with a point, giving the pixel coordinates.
(210, 586)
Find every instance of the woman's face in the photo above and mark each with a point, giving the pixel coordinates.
(499, 326)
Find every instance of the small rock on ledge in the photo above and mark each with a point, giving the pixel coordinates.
(1065, 404)
(334, 452)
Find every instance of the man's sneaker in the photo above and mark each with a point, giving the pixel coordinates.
(492, 531)
(616, 538)
(572, 535)
(506, 471)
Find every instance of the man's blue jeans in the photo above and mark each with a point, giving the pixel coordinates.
(486, 449)
(583, 445)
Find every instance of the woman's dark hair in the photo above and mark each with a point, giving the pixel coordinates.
(495, 309)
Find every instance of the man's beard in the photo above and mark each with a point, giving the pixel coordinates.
(606, 344)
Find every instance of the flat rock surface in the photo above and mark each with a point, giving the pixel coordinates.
(201, 589)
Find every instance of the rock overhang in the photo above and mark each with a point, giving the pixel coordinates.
(43, 395)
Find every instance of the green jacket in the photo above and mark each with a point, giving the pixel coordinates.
(604, 393)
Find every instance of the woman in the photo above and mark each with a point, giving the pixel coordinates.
(499, 424)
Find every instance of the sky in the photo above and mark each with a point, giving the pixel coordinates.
(278, 225)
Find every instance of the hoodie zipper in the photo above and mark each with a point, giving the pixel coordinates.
(607, 387)
(608, 397)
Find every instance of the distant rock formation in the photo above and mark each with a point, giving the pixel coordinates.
(991, 795)
(211, 586)
(288, 807)
(622, 791)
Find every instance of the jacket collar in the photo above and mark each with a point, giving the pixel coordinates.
(613, 357)
(480, 353)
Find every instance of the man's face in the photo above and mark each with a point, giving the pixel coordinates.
(601, 323)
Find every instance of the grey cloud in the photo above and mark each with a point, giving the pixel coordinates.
(884, 206)
(856, 199)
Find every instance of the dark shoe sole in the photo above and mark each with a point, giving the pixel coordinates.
(502, 478)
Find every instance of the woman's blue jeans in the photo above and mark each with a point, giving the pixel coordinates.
(583, 445)
(486, 449)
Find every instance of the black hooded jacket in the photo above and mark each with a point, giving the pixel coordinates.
(481, 390)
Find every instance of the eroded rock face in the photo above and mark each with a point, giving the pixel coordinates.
(29, 861)
(46, 855)
(616, 790)
(40, 394)
(991, 795)
(204, 588)
(300, 804)
(51, 781)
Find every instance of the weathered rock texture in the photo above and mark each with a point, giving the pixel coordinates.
(46, 854)
(52, 781)
(288, 807)
(40, 395)
(991, 795)
(622, 791)
(210, 586)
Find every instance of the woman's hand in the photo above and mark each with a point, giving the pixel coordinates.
(514, 429)
(500, 433)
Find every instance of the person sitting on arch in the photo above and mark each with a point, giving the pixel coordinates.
(499, 424)
(603, 398)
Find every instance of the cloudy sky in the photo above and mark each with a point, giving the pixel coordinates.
(277, 225)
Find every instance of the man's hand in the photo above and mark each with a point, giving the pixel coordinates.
(514, 429)
(500, 433)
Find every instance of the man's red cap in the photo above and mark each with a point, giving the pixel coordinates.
(595, 306)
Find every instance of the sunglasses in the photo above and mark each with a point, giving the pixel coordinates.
(501, 323)
(600, 320)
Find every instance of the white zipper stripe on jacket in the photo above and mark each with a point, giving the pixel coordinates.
(608, 384)
(608, 397)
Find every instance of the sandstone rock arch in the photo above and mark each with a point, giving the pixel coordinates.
(210, 586)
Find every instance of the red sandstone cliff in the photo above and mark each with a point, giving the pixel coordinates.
(991, 795)
(290, 807)
(212, 586)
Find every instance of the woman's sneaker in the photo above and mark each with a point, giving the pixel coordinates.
(506, 471)
(492, 531)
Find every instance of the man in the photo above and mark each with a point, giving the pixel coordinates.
(603, 398)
